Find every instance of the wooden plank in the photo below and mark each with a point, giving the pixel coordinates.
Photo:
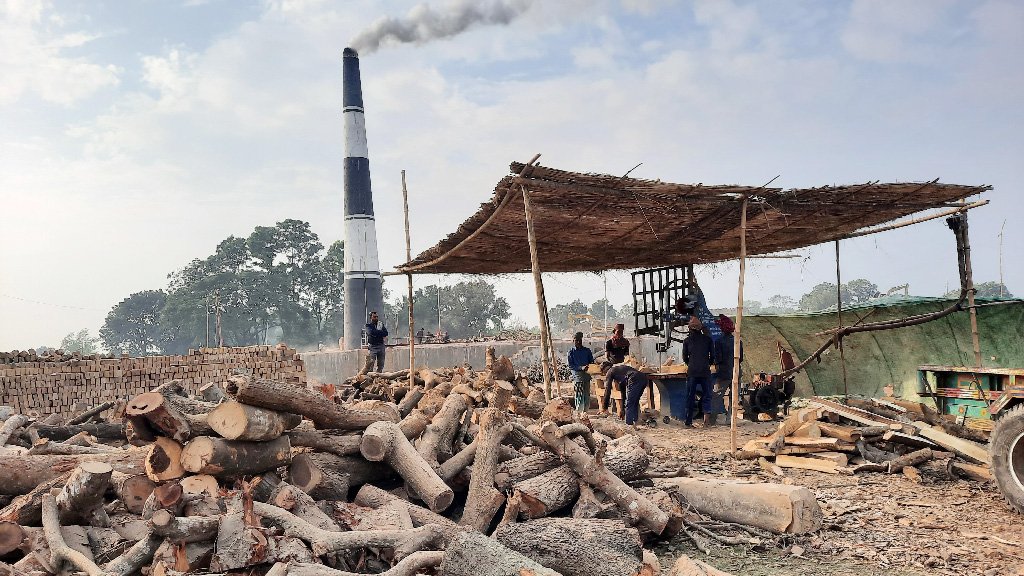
(807, 463)
(808, 430)
(857, 415)
(966, 448)
(845, 433)
(838, 457)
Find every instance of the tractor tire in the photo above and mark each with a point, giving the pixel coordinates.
(1006, 449)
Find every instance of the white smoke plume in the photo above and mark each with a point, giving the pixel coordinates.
(423, 23)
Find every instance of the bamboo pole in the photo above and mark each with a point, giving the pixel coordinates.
(839, 309)
(538, 285)
(962, 209)
(408, 258)
(970, 294)
(737, 344)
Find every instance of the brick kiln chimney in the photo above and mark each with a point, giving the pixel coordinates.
(363, 290)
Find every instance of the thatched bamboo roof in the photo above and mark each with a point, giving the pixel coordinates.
(593, 222)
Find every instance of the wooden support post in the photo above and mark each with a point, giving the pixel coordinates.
(970, 293)
(538, 284)
(734, 403)
(408, 258)
(839, 310)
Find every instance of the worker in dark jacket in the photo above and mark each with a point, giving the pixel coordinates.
(698, 354)
(376, 334)
(617, 347)
(633, 380)
(724, 362)
(579, 358)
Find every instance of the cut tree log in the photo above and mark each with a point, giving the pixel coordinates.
(10, 426)
(410, 400)
(972, 471)
(26, 509)
(11, 536)
(845, 433)
(59, 550)
(970, 450)
(340, 442)
(374, 497)
(163, 412)
(483, 500)
(896, 465)
(453, 466)
(439, 435)
(212, 392)
(525, 467)
(598, 476)
(23, 473)
(780, 508)
(547, 493)
(132, 489)
(576, 547)
(558, 411)
(404, 542)
(299, 400)
(500, 395)
(239, 544)
(317, 478)
(415, 563)
(101, 430)
(219, 457)
(384, 441)
(359, 470)
(473, 554)
(82, 496)
(414, 423)
(167, 496)
(524, 407)
(237, 421)
(302, 505)
(94, 411)
(183, 558)
(201, 485)
(45, 447)
(163, 462)
(184, 529)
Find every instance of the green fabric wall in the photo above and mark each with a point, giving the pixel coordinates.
(877, 359)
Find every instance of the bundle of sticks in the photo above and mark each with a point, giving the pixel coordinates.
(878, 435)
(451, 472)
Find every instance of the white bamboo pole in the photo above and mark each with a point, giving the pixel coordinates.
(734, 402)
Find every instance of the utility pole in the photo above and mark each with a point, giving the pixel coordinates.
(439, 311)
(1001, 285)
(216, 303)
(207, 320)
(604, 276)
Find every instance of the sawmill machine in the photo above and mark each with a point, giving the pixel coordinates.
(664, 300)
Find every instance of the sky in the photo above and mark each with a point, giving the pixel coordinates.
(137, 134)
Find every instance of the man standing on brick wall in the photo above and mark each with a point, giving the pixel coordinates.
(376, 334)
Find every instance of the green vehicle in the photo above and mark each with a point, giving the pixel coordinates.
(976, 396)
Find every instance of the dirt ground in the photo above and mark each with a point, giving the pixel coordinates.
(875, 524)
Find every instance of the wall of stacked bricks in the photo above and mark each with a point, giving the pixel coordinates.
(72, 385)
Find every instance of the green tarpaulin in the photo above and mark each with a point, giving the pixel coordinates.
(877, 359)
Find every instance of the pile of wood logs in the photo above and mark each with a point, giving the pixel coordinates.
(879, 435)
(449, 472)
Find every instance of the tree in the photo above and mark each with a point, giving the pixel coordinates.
(819, 298)
(823, 296)
(278, 280)
(985, 290)
(80, 341)
(559, 316)
(133, 325)
(780, 304)
(468, 309)
(859, 291)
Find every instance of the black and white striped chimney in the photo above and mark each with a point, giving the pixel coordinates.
(363, 289)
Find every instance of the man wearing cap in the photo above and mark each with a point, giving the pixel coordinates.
(699, 354)
(724, 356)
(579, 358)
(376, 334)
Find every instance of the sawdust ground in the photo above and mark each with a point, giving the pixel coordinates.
(875, 524)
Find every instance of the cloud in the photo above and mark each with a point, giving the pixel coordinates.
(905, 31)
(33, 59)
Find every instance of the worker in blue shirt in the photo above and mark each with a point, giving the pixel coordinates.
(634, 382)
(376, 334)
(579, 358)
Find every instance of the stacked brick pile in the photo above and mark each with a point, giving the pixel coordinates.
(42, 386)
